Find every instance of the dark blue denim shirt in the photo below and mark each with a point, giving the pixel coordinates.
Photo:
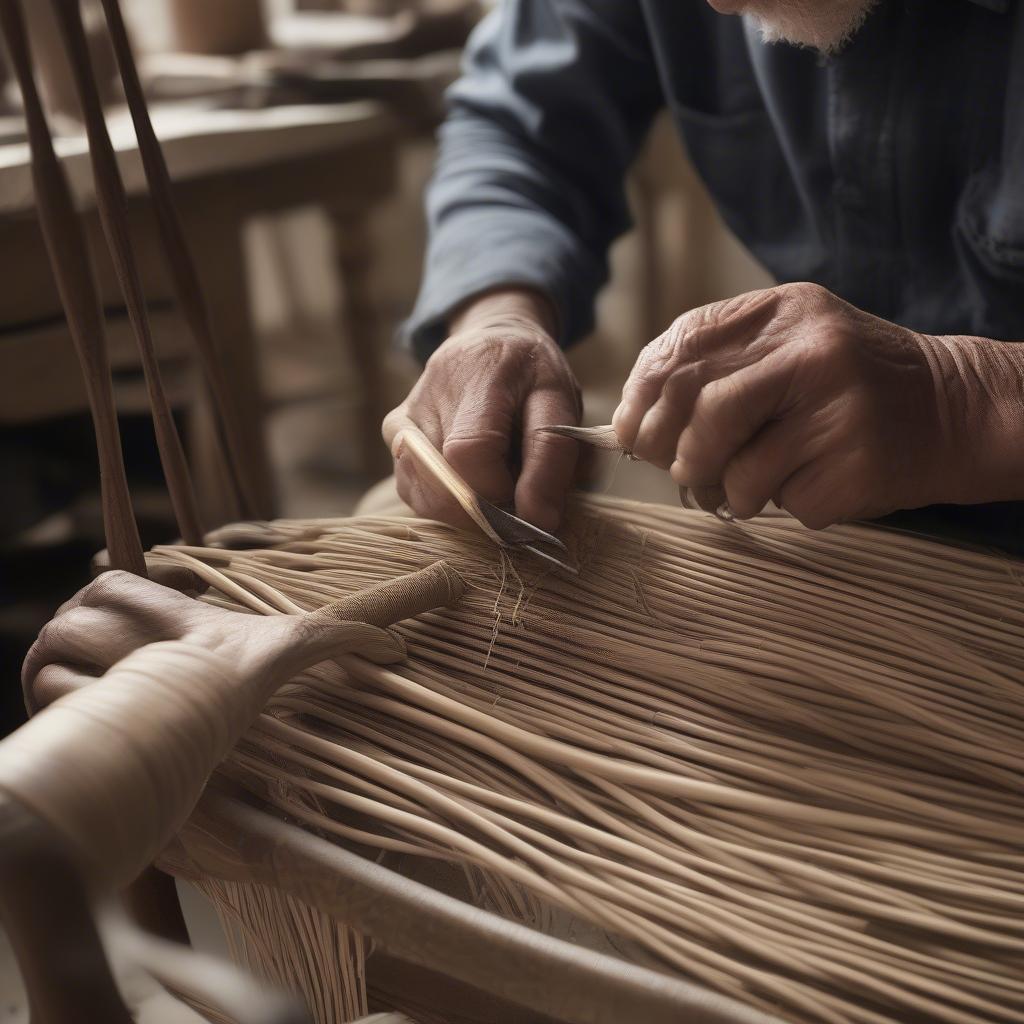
(892, 172)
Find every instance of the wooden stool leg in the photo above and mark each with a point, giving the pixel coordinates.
(362, 330)
(217, 245)
(152, 900)
(46, 913)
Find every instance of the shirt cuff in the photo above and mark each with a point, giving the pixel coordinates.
(480, 250)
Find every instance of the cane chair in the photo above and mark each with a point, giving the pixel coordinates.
(730, 773)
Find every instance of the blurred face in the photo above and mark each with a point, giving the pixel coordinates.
(822, 24)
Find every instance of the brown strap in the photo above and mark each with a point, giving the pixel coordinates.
(112, 203)
(72, 271)
(185, 279)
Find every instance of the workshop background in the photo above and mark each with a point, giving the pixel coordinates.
(300, 136)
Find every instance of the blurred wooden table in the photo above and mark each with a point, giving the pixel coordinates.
(228, 166)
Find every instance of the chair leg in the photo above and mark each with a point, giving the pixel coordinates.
(152, 900)
(218, 248)
(46, 912)
(362, 329)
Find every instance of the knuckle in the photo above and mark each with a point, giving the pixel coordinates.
(695, 461)
(718, 390)
(679, 384)
(831, 347)
(659, 357)
(68, 605)
(110, 587)
(59, 630)
(562, 392)
(443, 353)
(45, 639)
(700, 471)
(805, 293)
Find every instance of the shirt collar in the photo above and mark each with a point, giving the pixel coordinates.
(1000, 6)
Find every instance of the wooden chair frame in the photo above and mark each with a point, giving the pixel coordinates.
(56, 863)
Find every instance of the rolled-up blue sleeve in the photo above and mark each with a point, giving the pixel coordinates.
(553, 103)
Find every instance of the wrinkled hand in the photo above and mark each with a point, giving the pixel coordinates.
(792, 395)
(118, 613)
(481, 399)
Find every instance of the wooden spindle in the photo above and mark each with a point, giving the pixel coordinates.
(76, 285)
(111, 200)
(184, 277)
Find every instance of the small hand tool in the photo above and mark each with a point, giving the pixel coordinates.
(519, 534)
(504, 528)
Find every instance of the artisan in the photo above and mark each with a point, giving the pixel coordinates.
(870, 154)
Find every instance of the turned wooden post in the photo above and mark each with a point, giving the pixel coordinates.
(48, 918)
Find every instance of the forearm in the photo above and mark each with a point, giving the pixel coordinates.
(497, 219)
(518, 198)
(982, 382)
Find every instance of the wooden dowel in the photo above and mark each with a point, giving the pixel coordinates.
(46, 911)
(184, 277)
(76, 285)
(112, 203)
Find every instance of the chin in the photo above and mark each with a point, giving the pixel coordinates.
(824, 25)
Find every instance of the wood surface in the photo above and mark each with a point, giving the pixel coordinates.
(47, 913)
(112, 202)
(228, 838)
(200, 144)
(187, 288)
(72, 271)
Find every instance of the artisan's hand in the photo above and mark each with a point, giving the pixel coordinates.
(481, 399)
(118, 613)
(792, 394)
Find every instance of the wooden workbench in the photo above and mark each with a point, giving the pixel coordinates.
(228, 166)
